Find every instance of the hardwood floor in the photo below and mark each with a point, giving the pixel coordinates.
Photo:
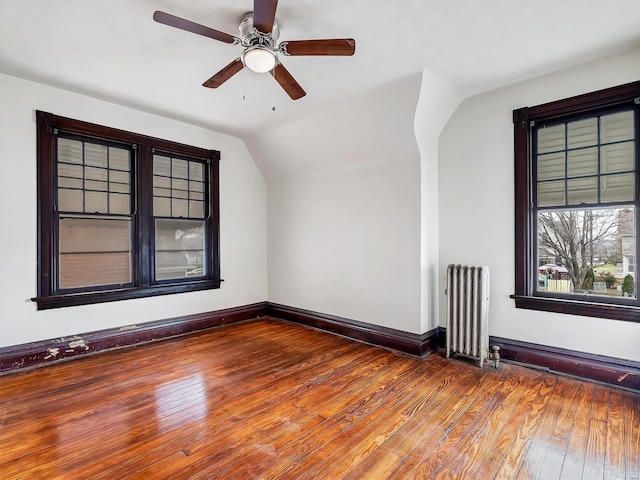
(266, 399)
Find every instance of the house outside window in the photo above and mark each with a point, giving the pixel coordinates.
(578, 204)
(122, 215)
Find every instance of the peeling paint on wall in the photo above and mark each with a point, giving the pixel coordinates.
(53, 353)
(128, 327)
(78, 344)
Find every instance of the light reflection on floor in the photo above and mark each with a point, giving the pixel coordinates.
(179, 402)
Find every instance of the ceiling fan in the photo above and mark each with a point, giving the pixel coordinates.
(259, 32)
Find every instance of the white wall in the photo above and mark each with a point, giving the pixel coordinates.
(344, 209)
(438, 100)
(242, 223)
(477, 212)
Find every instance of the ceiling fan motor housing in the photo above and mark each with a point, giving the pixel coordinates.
(251, 37)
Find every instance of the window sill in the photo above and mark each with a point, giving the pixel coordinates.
(577, 307)
(75, 299)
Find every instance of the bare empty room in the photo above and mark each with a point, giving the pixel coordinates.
(315, 239)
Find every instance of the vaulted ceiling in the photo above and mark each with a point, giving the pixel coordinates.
(112, 49)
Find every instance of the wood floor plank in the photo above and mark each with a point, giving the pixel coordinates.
(494, 452)
(475, 448)
(631, 439)
(375, 422)
(543, 447)
(448, 404)
(437, 427)
(516, 454)
(614, 462)
(596, 445)
(273, 400)
(576, 452)
(440, 452)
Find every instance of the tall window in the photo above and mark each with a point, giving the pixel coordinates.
(122, 215)
(578, 204)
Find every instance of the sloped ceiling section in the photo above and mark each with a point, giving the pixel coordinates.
(367, 129)
(113, 50)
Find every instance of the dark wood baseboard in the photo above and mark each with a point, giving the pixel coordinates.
(608, 370)
(35, 354)
(405, 342)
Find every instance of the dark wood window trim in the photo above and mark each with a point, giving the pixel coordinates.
(48, 297)
(525, 255)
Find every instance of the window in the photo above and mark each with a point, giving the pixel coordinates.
(122, 215)
(577, 201)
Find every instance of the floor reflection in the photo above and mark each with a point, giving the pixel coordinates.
(180, 402)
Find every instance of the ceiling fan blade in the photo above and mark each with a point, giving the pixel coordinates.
(334, 46)
(225, 74)
(287, 82)
(182, 24)
(264, 14)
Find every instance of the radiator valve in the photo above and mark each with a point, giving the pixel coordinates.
(495, 356)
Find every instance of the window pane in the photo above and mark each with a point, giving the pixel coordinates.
(603, 246)
(180, 168)
(162, 192)
(196, 186)
(94, 170)
(70, 182)
(589, 163)
(95, 185)
(119, 203)
(196, 171)
(582, 190)
(69, 151)
(180, 194)
(550, 194)
(95, 155)
(616, 127)
(96, 173)
(196, 209)
(95, 202)
(162, 182)
(551, 139)
(582, 162)
(617, 188)
(161, 165)
(116, 176)
(94, 252)
(618, 157)
(66, 170)
(551, 166)
(181, 181)
(119, 187)
(119, 159)
(179, 249)
(582, 133)
(161, 207)
(179, 208)
(70, 200)
(178, 184)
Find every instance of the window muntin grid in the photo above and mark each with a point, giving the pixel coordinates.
(93, 177)
(588, 161)
(178, 187)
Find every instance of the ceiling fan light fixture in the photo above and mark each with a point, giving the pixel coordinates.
(259, 59)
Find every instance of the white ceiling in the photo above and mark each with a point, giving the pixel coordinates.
(112, 49)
